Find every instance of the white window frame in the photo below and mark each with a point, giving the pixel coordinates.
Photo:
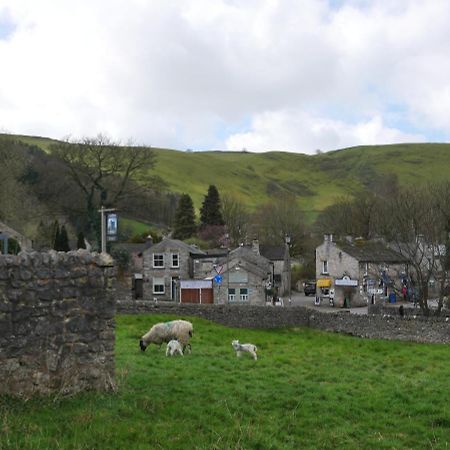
(243, 297)
(231, 296)
(175, 256)
(159, 282)
(160, 259)
(325, 266)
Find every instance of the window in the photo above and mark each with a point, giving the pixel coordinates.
(243, 297)
(175, 260)
(158, 286)
(231, 295)
(325, 266)
(158, 260)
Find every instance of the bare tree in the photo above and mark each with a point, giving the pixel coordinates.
(272, 222)
(105, 172)
(414, 224)
(236, 218)
(353, 216)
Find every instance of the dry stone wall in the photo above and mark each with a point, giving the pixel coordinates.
(56, 322)
(393, 327)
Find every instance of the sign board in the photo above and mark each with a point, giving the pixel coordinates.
(111, 226)
(195, 284)
(346, 281)
(375, 291)
(218, 279)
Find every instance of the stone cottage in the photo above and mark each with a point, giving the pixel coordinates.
(280, 260)
(356, 271)
(164, 265)
(243, 277)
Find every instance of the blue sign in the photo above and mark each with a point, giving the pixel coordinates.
(218, 279)
(111, 227)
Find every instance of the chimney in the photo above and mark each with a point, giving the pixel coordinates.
(255, 246)
(328, 237)
(148, 241)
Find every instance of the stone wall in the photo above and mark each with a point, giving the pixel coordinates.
(419, 329)
(56, 322)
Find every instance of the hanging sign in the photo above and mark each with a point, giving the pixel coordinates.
(111, 226)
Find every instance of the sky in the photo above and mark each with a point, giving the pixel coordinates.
(291, 75)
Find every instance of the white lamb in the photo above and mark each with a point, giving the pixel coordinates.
(159, 333)
(249, 348)
(174, 347)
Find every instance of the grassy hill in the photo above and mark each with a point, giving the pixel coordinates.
(316, 180)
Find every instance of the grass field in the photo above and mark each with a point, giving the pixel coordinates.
(308, 390)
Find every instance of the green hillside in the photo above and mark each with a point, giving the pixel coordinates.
(316, 180)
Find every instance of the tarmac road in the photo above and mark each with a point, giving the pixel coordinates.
(300, 299)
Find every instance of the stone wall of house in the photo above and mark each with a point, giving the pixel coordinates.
(56, 322)
(408, 328)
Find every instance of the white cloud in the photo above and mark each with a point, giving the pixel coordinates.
(299, 132)
(188, 73)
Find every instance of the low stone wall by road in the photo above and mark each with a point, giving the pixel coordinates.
(419, 329)
(56, 322)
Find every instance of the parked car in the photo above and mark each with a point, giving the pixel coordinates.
(309, 288)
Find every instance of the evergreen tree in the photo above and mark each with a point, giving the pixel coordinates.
(63, 240)
(211, 211)
(56, 236)
(80, 240)
(184, 224)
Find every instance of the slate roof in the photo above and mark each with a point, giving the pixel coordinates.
(135, 248)
(369, 251)
(167, 242)
(273, 252)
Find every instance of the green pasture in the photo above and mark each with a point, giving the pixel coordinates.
(308, 390)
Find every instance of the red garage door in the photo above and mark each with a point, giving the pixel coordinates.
(204, 295)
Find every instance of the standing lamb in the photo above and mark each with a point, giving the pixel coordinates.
(248, 348)
(159, 333)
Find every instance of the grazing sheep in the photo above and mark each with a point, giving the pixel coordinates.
(249, 348)
(159, 333)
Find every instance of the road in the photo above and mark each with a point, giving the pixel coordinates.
(300, 299)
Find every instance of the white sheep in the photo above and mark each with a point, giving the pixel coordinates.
(174, 347)
(249, 348)
(159, 333)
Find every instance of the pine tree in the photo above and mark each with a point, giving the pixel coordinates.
(211, 211)
(63, 240)
(56, 236)
(80, 240)
(184, 224)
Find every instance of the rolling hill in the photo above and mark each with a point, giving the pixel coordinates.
(316, 180)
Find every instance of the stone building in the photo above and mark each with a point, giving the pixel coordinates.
(280, 259)
(244, 276)
(357, 271)
(164, 265)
